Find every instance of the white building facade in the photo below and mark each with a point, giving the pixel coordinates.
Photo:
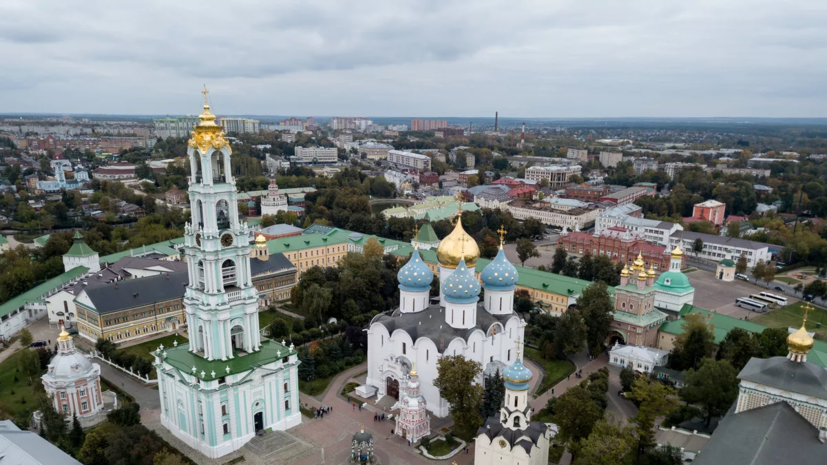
(409, 159)
(556, 175)
(316, 155)
(273, 202)
(227, 383)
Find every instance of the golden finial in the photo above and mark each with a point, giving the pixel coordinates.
(625, 271)
(63, 336)
(502, 232)
(519, 344)
(807, 308)
(413, 370)
(205, 92)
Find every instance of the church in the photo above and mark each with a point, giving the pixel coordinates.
(273, 202)
(227, 383)
(423, 329)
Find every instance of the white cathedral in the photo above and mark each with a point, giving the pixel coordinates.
(227, 383)
(420, 331)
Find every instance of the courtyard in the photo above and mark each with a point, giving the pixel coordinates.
(713, 294)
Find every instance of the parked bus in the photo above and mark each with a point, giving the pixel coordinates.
(758, 297)
(754, 305)
(777, 298)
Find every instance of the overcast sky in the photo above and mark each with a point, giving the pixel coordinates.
(545, 58)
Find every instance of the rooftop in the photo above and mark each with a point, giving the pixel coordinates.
(182, 359)
(689, 236)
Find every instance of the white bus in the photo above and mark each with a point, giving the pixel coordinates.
(754, 305)
(776, 298)
(759, 298)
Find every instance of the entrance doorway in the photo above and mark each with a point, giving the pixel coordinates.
(237, 338)
(392, 387)
(258, 420)
(616, 337)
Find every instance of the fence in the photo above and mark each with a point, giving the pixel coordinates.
(99, 356)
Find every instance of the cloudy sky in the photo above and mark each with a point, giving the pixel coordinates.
(544, 58)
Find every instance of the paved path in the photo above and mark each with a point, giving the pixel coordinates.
(583, 363)
(10, 350)
(144, 395)
(14, 243)
(289, 313)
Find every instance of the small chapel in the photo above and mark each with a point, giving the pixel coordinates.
(423, 329)
(72, 381)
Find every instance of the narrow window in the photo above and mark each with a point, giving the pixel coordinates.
(286, 405)
(509, 355)
(404, 348)
(516, 401)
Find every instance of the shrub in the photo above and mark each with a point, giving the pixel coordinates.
(449, 439)
(424, 441)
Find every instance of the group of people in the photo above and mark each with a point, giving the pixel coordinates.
(322, 410)
(378, 417)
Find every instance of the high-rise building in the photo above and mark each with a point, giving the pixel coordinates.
(175, 127)
(409, 159)
(556, 175)
(227, 383)
(338, 123)
(240, 125)
(610, 159)
(428, 124)
(316, 155)
(292, 124)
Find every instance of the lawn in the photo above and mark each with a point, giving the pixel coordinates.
(787, 280)
(439, 448)
(145, 349)
(266, 317)
(555, 370)
(23, 396)
(791, 316)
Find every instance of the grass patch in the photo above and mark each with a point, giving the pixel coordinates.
(689, 270)
(317, 386)
(791, 316)
(24, 396)
(555, 370)
(145, 349)
(267, 316)
(787, 280)
(439, 448)
(348, 388)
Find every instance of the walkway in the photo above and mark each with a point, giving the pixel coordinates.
(144, 394)
(10, 350)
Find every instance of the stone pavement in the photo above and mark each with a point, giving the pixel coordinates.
(582, 362)
(143, 393)
(10, 350)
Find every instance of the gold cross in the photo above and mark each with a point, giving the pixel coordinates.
(807, 308)
(502, 232)
(518, 347)
(416, 230)
(205, 92)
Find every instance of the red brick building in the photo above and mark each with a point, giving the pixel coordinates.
(586, 193)
(510, 182)
(628, 195)
(619, 244)
(428, 178)
(524, 192)
(711, 210)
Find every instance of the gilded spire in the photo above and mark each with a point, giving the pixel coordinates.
(502, 232)
(416, 233)
(625, 271)
(63, 336)
(800, 342)
(207, 134)
(413, 370)
(519, 345)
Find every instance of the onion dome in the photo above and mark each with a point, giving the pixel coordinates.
(517, 376)
(457, 246)
(800, 342)
(415, 275)
(500, 274)
(677, 252)
(651, 271)
(260, 239)
(625, 271)
(639, 261)
(642, 275)
(462, 286)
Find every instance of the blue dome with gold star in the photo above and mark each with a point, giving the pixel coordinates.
(462, 286)
(415, 275)
(517, 376)
(500, 274)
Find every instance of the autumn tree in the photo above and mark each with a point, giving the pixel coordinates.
(25, 337)
(741, 264)
(455, 382)
(655, 399)
(714, 387)
(525, 250)
(759, 270)
(696, 342)
(607, 444)
(373, 249)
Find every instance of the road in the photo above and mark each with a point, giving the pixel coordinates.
(14, 243)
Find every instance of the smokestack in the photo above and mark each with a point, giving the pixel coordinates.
(496, 120)
(522, 136)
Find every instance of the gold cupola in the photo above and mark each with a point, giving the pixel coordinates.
(456, 246)
(800, 342)
(651, 271)
(625, 271)
(642, 275)
(207, 134)
(639, 263)
(677, 252)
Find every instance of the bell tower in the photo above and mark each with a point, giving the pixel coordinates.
(220, 300)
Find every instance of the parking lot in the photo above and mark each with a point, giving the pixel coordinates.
(720, 296)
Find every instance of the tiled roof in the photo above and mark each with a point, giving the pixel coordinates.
(36, 293)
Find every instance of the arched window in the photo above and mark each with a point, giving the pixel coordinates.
(516, 422)
(228, 273)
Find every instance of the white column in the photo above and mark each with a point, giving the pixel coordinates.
(229, 340)
(248, 346)
(221, 340)
(208, 342)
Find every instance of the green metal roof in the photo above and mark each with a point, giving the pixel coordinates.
(640, 320)
(42, 240)
(724, 324)
(427, 234)
(36, 293)
(726, 262)
(333, 237)
(678, 282)
(79, 248)
(164, 247)
(181, 358)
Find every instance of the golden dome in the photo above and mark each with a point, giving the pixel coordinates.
(800, 342)
(642, 275)
(677, 252)
(639, 261)
(456, 246)
(413, 370)
(63, 336)
(651, 271)
(260, 239)
(624, 272)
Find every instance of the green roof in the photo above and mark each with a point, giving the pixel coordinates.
(427, 234)
(3, 240)
(164, 248)
(445, 211)
(640, 320)
(333, 237)
(724, 324)
(36, 293)
(527, 277)
(42, 240)
(678, 282)
(726, 262)
(79, 248)
(181, 358)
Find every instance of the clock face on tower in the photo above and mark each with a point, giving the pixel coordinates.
(227, 240)
(502, 443)
(198, 239)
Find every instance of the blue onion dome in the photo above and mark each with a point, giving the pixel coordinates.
(415, 275)
(517, 376)
(500, 274)
(462, 286)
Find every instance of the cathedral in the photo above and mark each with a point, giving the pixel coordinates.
(423, 329)
(227, 383)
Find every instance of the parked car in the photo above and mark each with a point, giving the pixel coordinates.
(38, 344)
(808, 298)
(779, 288)
(742, 276)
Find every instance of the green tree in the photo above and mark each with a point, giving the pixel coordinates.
(741, 264)
(663, 455)
(29, 363)
(714, 387)
(816, 289)
(627, 378)
(586, 271)
(733, 229)
(559, 260)
(25, 337)
(307, 368)
(738, 347)
(455, 382)
(607, 444)
(525, 250)
(655, 400)
(493, 395)
(267, 220)
(576, 414)
(125, 415)
(93, 451)
(769, 273)
(759, 270)
(596, 306)
(698, 246)
(165, 457)
(278, 328)
(772, 342)
(317, 300)
(570, 269)
(696, 342)
(569, 333)
(76, 434)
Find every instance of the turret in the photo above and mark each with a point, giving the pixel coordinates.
(260, 251)
(641, 280)
(415, 280)
(624, 276)
(461, 291)
(80, 254)
(677, 259)
(516, 411)
(500, 280)
(650, 275)
(800, 342)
